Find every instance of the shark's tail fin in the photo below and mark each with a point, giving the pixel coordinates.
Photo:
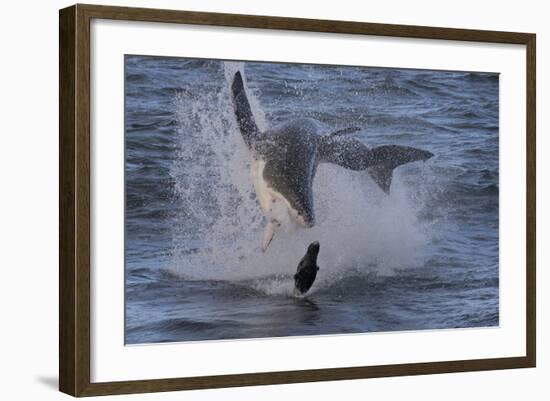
(379, 161)
(243, 111)
(388, 157)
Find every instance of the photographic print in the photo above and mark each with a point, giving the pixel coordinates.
(280, 199)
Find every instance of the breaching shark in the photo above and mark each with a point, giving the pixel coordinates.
(285, 160)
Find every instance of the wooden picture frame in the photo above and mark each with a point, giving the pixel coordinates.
(74, 200)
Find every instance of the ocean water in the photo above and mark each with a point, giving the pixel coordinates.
(424, 257)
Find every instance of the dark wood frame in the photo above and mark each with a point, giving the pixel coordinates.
(74, 199)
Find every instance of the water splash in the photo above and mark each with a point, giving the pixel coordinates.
(217, 235)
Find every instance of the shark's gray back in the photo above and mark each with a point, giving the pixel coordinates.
(290, 155)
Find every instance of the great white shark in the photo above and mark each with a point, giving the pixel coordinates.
(285, 160)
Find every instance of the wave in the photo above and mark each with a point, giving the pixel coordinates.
(390, 87)
(409, 123)
(160, 123)
(482, 77)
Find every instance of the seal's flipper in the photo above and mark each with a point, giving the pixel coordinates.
(379, 161)
(243, 112)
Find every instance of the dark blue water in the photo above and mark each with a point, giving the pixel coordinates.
(424, 257)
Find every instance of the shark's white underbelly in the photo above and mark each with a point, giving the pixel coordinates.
(275, 207)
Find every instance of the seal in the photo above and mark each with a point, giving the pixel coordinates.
(307, 270)
(285, 160)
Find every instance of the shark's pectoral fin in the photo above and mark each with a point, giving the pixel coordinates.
(268, 234)
(243, 111)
